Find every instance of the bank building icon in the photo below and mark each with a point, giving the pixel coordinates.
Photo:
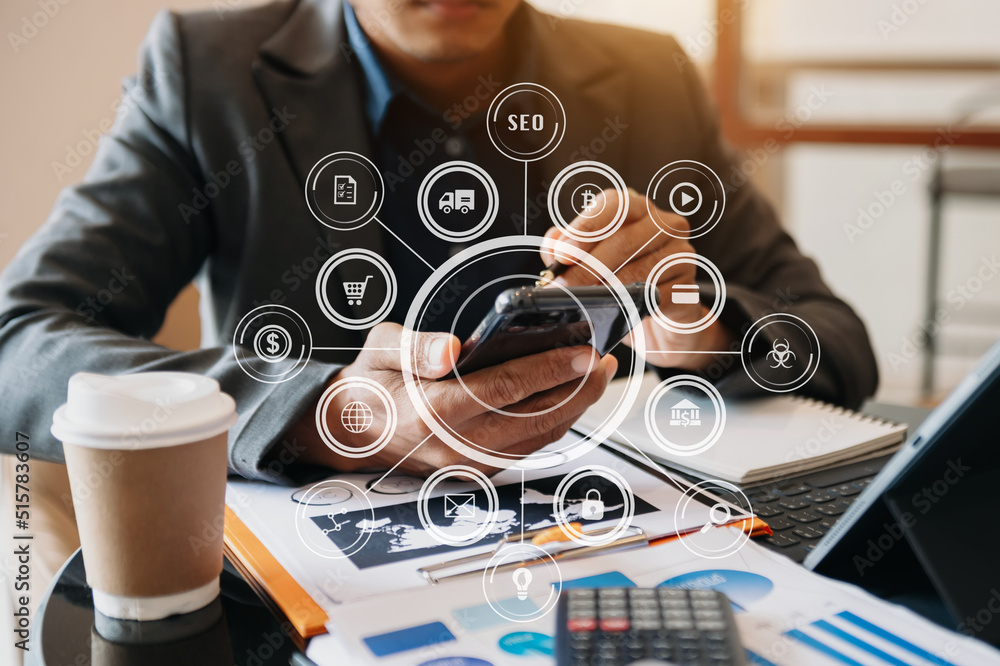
(685, 413)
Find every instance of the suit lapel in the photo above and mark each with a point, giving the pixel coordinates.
(306, 67)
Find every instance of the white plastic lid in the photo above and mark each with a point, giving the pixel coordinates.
(144, 410)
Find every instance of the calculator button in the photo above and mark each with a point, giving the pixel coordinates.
(704, 594)
(674, 604)
(711, 625)
(612, 603)
(611, 593)
(678, 625)
(704, 603)
(645, 625)
(704, 614)
(642, 594)
(615, 624)
(672, 593)
(614, 612)
(582, 624)
(581, 594)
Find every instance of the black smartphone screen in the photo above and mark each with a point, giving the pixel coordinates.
(531, 320)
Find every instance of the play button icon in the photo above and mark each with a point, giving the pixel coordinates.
(689, 190)
(682, 196)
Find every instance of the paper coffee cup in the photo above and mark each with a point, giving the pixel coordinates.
(147, 463)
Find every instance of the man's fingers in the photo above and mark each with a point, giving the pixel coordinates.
(432, 354)
(544, 412)
(509, 383)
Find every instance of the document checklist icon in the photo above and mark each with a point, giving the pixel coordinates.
(345, 190)
(460, 506)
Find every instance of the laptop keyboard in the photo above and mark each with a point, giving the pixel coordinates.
(801, 510)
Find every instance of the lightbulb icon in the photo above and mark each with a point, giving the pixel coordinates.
(522, 579)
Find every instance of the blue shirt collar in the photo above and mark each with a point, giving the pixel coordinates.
(379, 88)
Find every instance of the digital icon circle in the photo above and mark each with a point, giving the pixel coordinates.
(422, 309)
(395, 485)
(526, 122)
(458, 201)
(513, 587)
(586, 334)
(780, 352)
(594, 505)
(586, 202)
(685, 415)
(272, 344)
(360, 279)
(720, 497)
(575, 192)
(334, 530)
(327, 496)
(689, 189)
(455, 518)
(356, 417)
(344, 191)
(685, 294)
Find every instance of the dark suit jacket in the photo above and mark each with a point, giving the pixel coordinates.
(264, 93)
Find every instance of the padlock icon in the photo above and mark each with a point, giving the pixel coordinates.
(593, 506)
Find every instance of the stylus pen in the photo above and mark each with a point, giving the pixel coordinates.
(551, 272)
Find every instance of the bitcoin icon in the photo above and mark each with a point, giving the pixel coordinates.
(272, 343)
(585, 201)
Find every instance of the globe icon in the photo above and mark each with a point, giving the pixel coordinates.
(357, 417)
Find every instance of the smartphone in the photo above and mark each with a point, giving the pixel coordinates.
(530, 320)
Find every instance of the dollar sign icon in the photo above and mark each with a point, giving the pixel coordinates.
(589, 200)
(272, 343)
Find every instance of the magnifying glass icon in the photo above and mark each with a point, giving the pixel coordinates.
(713, 519)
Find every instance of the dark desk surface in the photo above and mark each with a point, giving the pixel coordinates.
(246, 632)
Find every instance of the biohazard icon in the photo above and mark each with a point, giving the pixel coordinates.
(781, 354)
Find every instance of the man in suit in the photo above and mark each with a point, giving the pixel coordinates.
(203, 175)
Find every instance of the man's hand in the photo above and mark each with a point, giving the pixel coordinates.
(632, 253)
(533, 384)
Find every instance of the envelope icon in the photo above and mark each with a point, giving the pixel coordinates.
(460, 505)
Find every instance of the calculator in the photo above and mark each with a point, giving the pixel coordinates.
(610, 626)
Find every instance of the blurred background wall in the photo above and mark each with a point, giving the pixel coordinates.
(887, 62)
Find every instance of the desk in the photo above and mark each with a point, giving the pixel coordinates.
(64, 630)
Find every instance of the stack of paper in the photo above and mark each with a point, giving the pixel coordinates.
(762, 439)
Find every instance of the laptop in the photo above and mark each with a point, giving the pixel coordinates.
(924, 530)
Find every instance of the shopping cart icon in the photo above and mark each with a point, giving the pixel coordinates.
(355, 291)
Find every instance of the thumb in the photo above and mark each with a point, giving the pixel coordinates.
(434, 354)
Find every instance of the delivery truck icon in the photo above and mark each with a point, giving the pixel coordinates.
(463, 200)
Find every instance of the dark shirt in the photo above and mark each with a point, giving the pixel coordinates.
(409, 138)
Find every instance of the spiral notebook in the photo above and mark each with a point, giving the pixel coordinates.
(762, 439)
